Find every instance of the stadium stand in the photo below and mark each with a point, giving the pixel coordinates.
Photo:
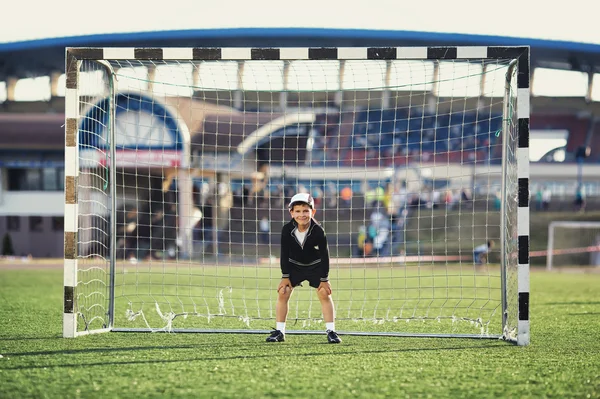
(353, 132)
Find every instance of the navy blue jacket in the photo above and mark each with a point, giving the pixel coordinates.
(313, 253)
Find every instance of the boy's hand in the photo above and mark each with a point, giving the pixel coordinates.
(285, 285)
(325, 286)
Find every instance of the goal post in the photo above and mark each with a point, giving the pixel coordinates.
(179, 163)
(573, 243)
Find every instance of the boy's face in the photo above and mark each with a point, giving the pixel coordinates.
(302, 214)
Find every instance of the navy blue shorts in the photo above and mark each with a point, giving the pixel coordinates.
(299, 274)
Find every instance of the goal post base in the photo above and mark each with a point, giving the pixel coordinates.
(90, 332)
(312, 332)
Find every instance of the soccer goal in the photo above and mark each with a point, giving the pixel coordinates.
(180, 162)
(573, 243)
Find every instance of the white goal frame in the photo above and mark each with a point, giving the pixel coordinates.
(567, 225)
(515, 235)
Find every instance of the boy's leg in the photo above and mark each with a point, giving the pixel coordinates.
(326, 306)
(328, 310)
(281, 307)
(281, 311)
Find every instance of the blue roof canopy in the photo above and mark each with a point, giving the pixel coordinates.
(44, 56)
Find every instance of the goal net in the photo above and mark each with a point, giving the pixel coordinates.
(573, 243)
(180, 164)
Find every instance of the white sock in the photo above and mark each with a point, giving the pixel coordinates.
(330, 326)
(281, 326)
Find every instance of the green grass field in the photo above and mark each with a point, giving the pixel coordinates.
(562, 361)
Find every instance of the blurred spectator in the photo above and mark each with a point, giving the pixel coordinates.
(546, 198)
(538, 199)
(466, 197)
(379, 230)
(497, 201)
(425, 199)
(449, 200)
(580, 198)
(364, 246)
(302, 188)
(204, 228)
(197, 194)
(387, 197)
(127, 240)
(279, 196)
(264, 227)
(457, 196)
(331, 194)
(245, 195)
(397, 201)
(317, 194)
(398, 231)
(435, 198)
(346, 196)
(480, 253)
(375, 195)
(265, 197)
(205, 191)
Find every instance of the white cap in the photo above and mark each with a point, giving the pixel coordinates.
(302, 197)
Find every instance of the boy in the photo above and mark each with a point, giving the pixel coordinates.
(304, 256)
(480, 253)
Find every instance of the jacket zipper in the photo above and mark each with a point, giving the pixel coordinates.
(310, 228)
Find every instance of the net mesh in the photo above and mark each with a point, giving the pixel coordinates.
(92, 296)
(405, 169)
(511, 202)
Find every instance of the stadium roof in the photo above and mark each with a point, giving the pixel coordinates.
(43, 56)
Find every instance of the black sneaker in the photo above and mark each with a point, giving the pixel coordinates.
(276, 336)
(333, 338)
